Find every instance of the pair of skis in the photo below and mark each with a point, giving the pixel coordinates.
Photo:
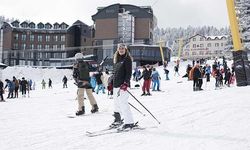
(111, 130)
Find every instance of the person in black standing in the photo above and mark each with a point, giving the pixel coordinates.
(1, 91)
(16, 86)
(121, 81)
(23, 85)
(65, 80)
(50, 83)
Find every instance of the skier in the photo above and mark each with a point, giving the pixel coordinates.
(1, 91)
(156, 80)
(110, 86)
(43, 84)
(99, 82)
(24, 85)
(121, 81)
(146, 75)
(50, 83)
(65, 80)
(11, 88)
(16, 86)
(176, 70)
(81, 76)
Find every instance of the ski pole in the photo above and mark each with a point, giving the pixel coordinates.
(136, 109)
(118, 94)
(143, 106)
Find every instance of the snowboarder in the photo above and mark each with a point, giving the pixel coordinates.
(81, 76)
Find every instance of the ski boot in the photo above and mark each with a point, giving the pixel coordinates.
(117, 122)
(81, 112)
(95, 108)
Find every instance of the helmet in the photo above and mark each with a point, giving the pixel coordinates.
(78, 56)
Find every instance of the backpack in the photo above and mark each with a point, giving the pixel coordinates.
(83, 69)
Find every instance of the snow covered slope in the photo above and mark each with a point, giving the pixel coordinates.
(205, 120)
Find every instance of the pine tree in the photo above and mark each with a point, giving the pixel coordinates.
(243, 14)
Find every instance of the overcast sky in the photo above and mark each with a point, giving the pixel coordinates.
(169, 13)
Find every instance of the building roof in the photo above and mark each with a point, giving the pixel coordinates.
(112, 11)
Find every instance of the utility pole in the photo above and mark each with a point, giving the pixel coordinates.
(179, 51)
(161, 50)
(241, 63)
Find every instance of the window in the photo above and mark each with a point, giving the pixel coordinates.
(64, 55)
(194, 39)
(193, 53)
(64, 26)
(54, 47)
(32, 37)
(32, 25)
(40, 38)
(209, 45)
(23, 46)
(16, 36)
(47, 47)
(47, 38)
(39, 46)
(84, 40)
(62, 46)
(32, 46)
(56, 26)
(194, 45)
(23, 37)
(15, 45)
(55, 38)
(63, 38)
(201, 39)
(201, 45)
(217, 44)
(221, 44)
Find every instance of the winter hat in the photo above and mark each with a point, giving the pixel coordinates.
(78, 56)
(122, 45)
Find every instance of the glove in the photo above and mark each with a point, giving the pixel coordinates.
(124, 86)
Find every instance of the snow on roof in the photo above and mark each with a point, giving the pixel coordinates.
(214, 37)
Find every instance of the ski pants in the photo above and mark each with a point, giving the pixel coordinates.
(146, 85)
(80, 97)
(100, 86)
(121, 105)
(156, 84)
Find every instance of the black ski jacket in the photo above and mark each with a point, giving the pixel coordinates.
(122, 71)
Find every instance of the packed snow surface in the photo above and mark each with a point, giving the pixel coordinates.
(202, 120)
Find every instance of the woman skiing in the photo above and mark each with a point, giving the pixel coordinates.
(122, 75)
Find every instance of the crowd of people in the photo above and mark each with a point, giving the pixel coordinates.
(118, 82)
(219, 71)
(14, 86)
